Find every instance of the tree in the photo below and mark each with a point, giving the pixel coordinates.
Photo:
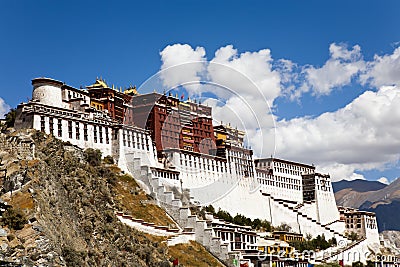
(224, 215)
(10, 117)
(241, 220)
(353, 236)
(312, 244)
(210, 209)
(308, 236)
(333, 241)
(320, 242)
(284, 227)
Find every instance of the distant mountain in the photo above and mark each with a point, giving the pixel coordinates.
(358, 185)
(385, 202)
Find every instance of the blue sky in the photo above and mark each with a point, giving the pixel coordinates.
(75, 41)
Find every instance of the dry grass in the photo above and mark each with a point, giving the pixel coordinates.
(22, 201)
(158, 239)
(137, 204)
(193, 254)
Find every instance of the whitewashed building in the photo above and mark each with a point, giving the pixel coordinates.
(273, 189)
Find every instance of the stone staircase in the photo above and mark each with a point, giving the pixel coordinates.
(335, 254)
(147, 227)
(331, 223)
(318, 225)
(193, 227)
(197, 229)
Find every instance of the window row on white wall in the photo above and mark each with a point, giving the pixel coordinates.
(96, 132)
(135, 139)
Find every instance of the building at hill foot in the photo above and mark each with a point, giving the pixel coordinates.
(169, 143)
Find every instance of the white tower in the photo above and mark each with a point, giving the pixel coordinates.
(47, 91)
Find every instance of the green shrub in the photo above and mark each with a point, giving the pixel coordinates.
(10, 117)
(284, 227)
(353, 236)
(93, 156)
(318, 242)
(13, 219)
(239, 219)
(108, 160)
(73, 257)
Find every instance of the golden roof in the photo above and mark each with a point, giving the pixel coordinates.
(100, 83)
(131, 91)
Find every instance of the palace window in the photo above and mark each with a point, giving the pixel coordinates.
(85, 132)
(124, 137)
(51, 124)
(59, 128)
(42, 124)
(78, 134)
(107, 137)
(70, 129)
(101, 134)
(95, 133)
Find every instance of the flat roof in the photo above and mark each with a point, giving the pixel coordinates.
(198, 154)
(284, 161)
(46, 80)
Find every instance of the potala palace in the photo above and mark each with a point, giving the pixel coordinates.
(166, 142)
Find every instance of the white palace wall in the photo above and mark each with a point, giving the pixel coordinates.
(90, 130)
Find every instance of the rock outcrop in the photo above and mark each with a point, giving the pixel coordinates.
(66, 209)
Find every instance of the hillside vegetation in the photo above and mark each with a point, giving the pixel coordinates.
(64, 214)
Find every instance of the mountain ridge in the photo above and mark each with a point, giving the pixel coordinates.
(358, 185)
(382, 201)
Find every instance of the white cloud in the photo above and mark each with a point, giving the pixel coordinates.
(250, 67)
(356, 176)
(361, 136)
(339, 171)
(252, 84)
(181, 64)
(383, 70)
(384, 180)
(338, 71)
(4, 108)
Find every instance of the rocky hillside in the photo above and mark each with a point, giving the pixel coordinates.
(392, 240)
(383, 202)
(62, 209)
